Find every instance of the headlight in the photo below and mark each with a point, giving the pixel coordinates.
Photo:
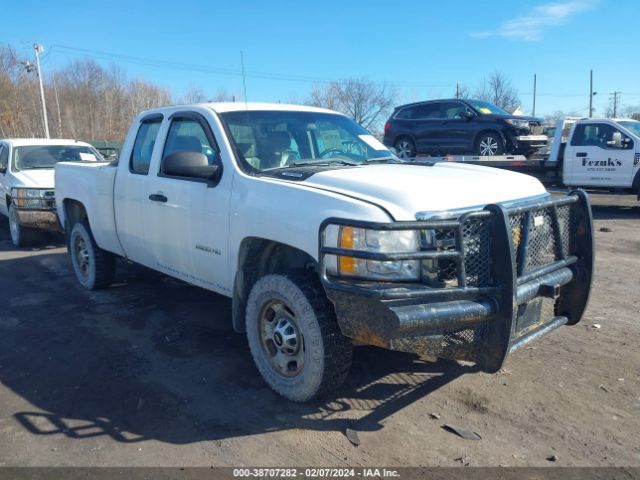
(521, 124)
(379, 241)
(38, 198)
(29, 193)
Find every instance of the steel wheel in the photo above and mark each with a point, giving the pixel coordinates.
(294, 337)
(281, 339)
(81, 252)
(405, 148)
(94, 267)
(14, 227)
(20, 236)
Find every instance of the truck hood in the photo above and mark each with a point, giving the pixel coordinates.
(406, 190)
(35, 178)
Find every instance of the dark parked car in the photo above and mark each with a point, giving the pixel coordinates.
(441, 127)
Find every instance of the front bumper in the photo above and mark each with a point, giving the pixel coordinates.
(514, 274)
(41, 219)
(36, 211)
(523, 142)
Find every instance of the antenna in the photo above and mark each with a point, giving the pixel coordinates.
(244, 79)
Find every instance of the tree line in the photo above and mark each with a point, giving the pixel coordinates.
(88, 101)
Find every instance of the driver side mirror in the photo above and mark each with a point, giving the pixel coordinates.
(189, 165)
(466, 115)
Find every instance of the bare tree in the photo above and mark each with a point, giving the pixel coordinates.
(364, 101)
(462, 91)
(498, 90)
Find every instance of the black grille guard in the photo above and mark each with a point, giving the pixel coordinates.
(537, 250)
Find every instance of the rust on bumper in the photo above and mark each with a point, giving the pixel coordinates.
(41, 219)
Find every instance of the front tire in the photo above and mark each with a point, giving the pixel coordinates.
(294, 337)
(20, 236)
(94, 268)
(489, 144)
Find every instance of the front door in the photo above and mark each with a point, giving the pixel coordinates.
(186, 219)
(456, 134)
(599, 155)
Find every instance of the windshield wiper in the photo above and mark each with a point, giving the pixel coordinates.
(325, 161)
(384, 160)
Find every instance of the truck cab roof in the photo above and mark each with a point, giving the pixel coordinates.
(223, 107)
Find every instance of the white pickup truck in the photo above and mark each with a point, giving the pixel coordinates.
(594, 153)
(324, 239)
(26, 182)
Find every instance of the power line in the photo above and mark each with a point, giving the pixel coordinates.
(65, 49)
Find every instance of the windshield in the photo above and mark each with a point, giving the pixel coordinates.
(277, 139)
(631, 125)
(487, 108)
(32, 157)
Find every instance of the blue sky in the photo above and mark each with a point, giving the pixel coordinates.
(422, 48)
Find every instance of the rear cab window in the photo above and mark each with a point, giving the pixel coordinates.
(144, 144)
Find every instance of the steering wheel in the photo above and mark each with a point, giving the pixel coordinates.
(330, 150)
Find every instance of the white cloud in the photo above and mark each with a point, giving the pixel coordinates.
(530, 26)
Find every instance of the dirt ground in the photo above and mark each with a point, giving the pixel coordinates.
(150, 372)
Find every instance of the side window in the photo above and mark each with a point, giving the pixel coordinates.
(600, 135)
(4, 158)
(427, 110)
(143, 146)
(406, 113)
(452, 110)
(188, 135)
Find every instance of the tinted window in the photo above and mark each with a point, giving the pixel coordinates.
(427, 110)
(600, 135)
(452, 109)
(406, 113)
(143, 146)
(187, 135)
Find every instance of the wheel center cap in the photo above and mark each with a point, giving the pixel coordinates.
(277, 339)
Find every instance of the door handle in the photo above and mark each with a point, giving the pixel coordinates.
(581, 154)
(157, 197)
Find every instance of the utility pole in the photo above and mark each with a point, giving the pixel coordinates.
(38, 49)
(591, 93)
(533, 113)
(457, 90)
(615, 98)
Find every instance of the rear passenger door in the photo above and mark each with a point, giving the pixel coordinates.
(426, 126)
(131, 190)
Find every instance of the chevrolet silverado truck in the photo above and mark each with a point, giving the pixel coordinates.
(323, 239)
(26, 183)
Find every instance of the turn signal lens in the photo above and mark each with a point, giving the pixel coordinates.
(347, 240)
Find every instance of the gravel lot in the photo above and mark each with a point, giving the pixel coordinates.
(150, 372)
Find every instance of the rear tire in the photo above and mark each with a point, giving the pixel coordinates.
(294, 337)
(94, 268)
(405, 148)
(489, 144)
(20, 236)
